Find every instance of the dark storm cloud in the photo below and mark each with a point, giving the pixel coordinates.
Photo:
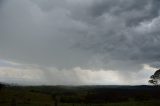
(111, 34)
(124, 32)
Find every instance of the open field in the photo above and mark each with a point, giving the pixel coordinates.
(80, 96)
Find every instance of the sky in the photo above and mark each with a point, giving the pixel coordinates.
(79, 42)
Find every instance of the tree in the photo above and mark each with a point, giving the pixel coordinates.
(155, 78)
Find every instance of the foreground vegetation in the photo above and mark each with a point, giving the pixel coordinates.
(133, 103)
(80, 96)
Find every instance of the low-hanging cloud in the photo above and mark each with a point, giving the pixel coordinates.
(24, 74)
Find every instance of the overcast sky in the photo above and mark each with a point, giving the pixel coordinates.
(76, 42)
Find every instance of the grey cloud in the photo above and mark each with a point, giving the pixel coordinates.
(31, 35)
(131, 11)
(66, 34)
(113, 32)
(36, 75)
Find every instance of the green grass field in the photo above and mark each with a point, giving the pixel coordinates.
(24, 98)
(147, 103)
(44, 96)
(144, 103)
